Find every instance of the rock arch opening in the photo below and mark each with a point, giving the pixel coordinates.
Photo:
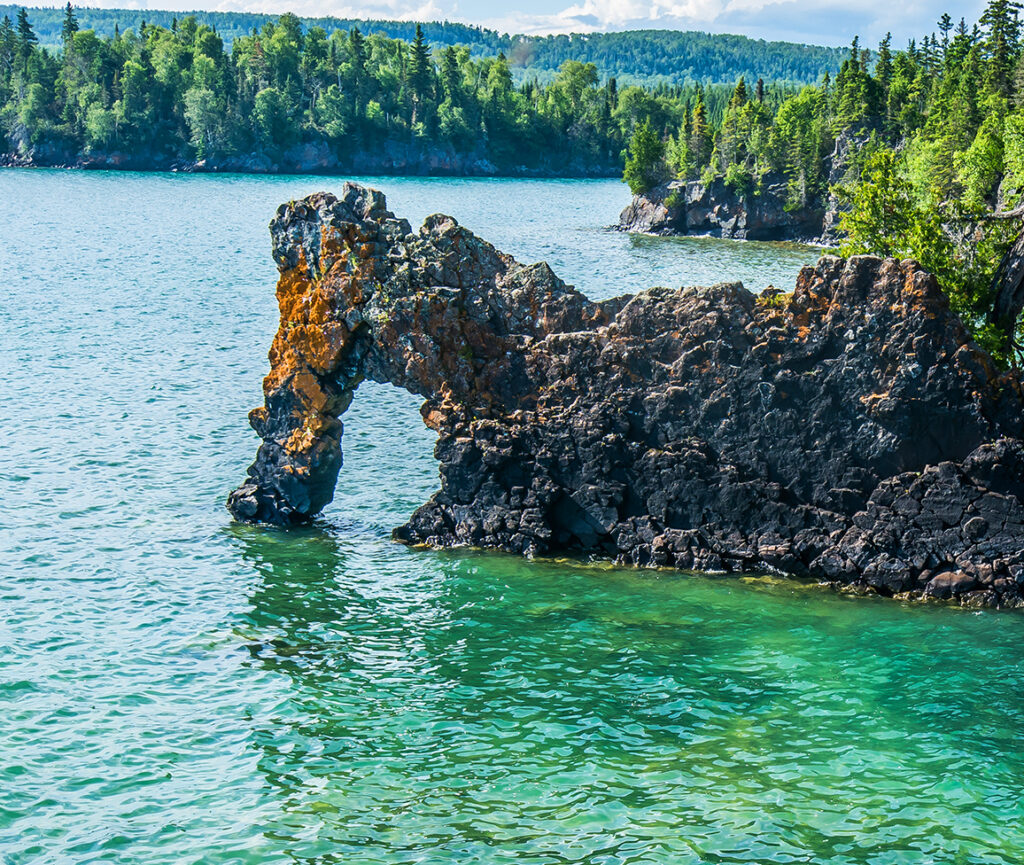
(389, 468)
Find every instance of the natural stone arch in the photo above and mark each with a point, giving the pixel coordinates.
(849, 431)
(440, 313)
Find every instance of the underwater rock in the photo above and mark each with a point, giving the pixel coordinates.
(849, 431)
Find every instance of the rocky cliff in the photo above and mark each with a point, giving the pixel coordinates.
(694, 207)
(849, 431)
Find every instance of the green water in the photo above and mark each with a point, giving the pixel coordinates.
(175, 688)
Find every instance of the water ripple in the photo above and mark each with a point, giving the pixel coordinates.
(178, 689)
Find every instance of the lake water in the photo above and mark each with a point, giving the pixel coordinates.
(176, 688)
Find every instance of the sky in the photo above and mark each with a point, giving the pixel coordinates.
(834, 22)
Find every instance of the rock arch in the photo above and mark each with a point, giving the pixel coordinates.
(440, 313)
(849, 431)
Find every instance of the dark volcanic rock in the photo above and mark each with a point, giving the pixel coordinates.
(661, 211)
(694, 207)
(850, 431)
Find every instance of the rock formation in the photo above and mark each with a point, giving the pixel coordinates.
(694, 207)
(849, 431)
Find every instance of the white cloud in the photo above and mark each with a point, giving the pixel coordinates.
(833, 22)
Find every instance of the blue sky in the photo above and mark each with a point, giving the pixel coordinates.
(834, 22)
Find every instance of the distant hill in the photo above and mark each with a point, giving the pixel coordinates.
(637, 56)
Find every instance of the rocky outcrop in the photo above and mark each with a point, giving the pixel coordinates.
(660, 211)
(849, 431)
(713, 209)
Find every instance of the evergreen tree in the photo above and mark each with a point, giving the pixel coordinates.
(700, 136)
(945, 25)
(8, 52)
(70, 26)
(739, 95)
(419, 72)
(645, 163)
(27, 39)
(883, 66)
(1002, 24)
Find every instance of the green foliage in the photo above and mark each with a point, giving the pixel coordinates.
(178, 93)
(1013, 151)
(980, 167)
(885, 219)
(179, 89)
(648, 57)
(797, 140)
(882, 218)
(774, 299)
(739, 180)
(645, 162)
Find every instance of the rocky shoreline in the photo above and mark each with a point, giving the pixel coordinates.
(309, 159)
(848, 432)
(679, 208)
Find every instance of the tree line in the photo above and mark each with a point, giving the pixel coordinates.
(920, 146)
(636, 56)
(161, 94)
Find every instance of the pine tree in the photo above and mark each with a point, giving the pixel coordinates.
(419, 72)
(759, 91)
(700, 137)
(27, 39)
(645, 161)
(883, 67)
(945, 25)
(1002, 24)
(739, 95)
(357, 48)
(8, 48)
(70, 27)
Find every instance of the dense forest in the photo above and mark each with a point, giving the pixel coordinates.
(288, 98)
(637, 56)
(918, 148)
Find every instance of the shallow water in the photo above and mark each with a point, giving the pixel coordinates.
(175, 688)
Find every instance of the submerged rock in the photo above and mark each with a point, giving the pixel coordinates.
(849, 431)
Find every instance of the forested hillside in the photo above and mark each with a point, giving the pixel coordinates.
(642, 56)
(287, 98)
(918, 147)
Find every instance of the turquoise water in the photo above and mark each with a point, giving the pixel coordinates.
(175, 688)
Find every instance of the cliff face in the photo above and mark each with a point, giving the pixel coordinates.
(693, 207)
(849, 431)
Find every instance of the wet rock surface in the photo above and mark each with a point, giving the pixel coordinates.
(849, 431)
